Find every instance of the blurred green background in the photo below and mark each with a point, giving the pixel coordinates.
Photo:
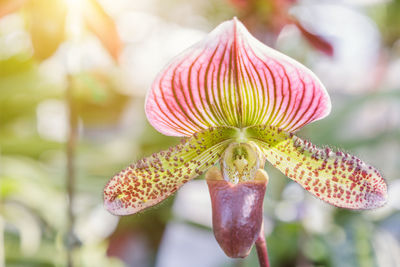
(73, 78)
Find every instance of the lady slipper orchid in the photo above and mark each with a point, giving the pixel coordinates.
(238, 102)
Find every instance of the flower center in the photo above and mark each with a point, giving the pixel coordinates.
(240, 161)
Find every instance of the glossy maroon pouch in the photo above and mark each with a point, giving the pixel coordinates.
(237, 214)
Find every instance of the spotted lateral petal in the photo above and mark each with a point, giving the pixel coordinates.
(232, 79)
(335, 177)
(154, 178)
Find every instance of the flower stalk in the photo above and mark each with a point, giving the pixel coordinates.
(262, 251)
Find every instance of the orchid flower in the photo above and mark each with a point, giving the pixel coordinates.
(238, 102)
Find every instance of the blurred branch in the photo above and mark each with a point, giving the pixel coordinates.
(70, 178)
(2, 254)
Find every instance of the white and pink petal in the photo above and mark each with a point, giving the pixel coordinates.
(232, 79)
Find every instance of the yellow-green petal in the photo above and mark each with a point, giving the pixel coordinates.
(335, 177)
(154, 178)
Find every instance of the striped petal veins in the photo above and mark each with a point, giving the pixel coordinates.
(240, 101)
(232, 79)
(335, 177)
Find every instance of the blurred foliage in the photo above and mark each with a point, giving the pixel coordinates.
(113, 133)
(45, 21)
(97, 99)
(390, 22)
